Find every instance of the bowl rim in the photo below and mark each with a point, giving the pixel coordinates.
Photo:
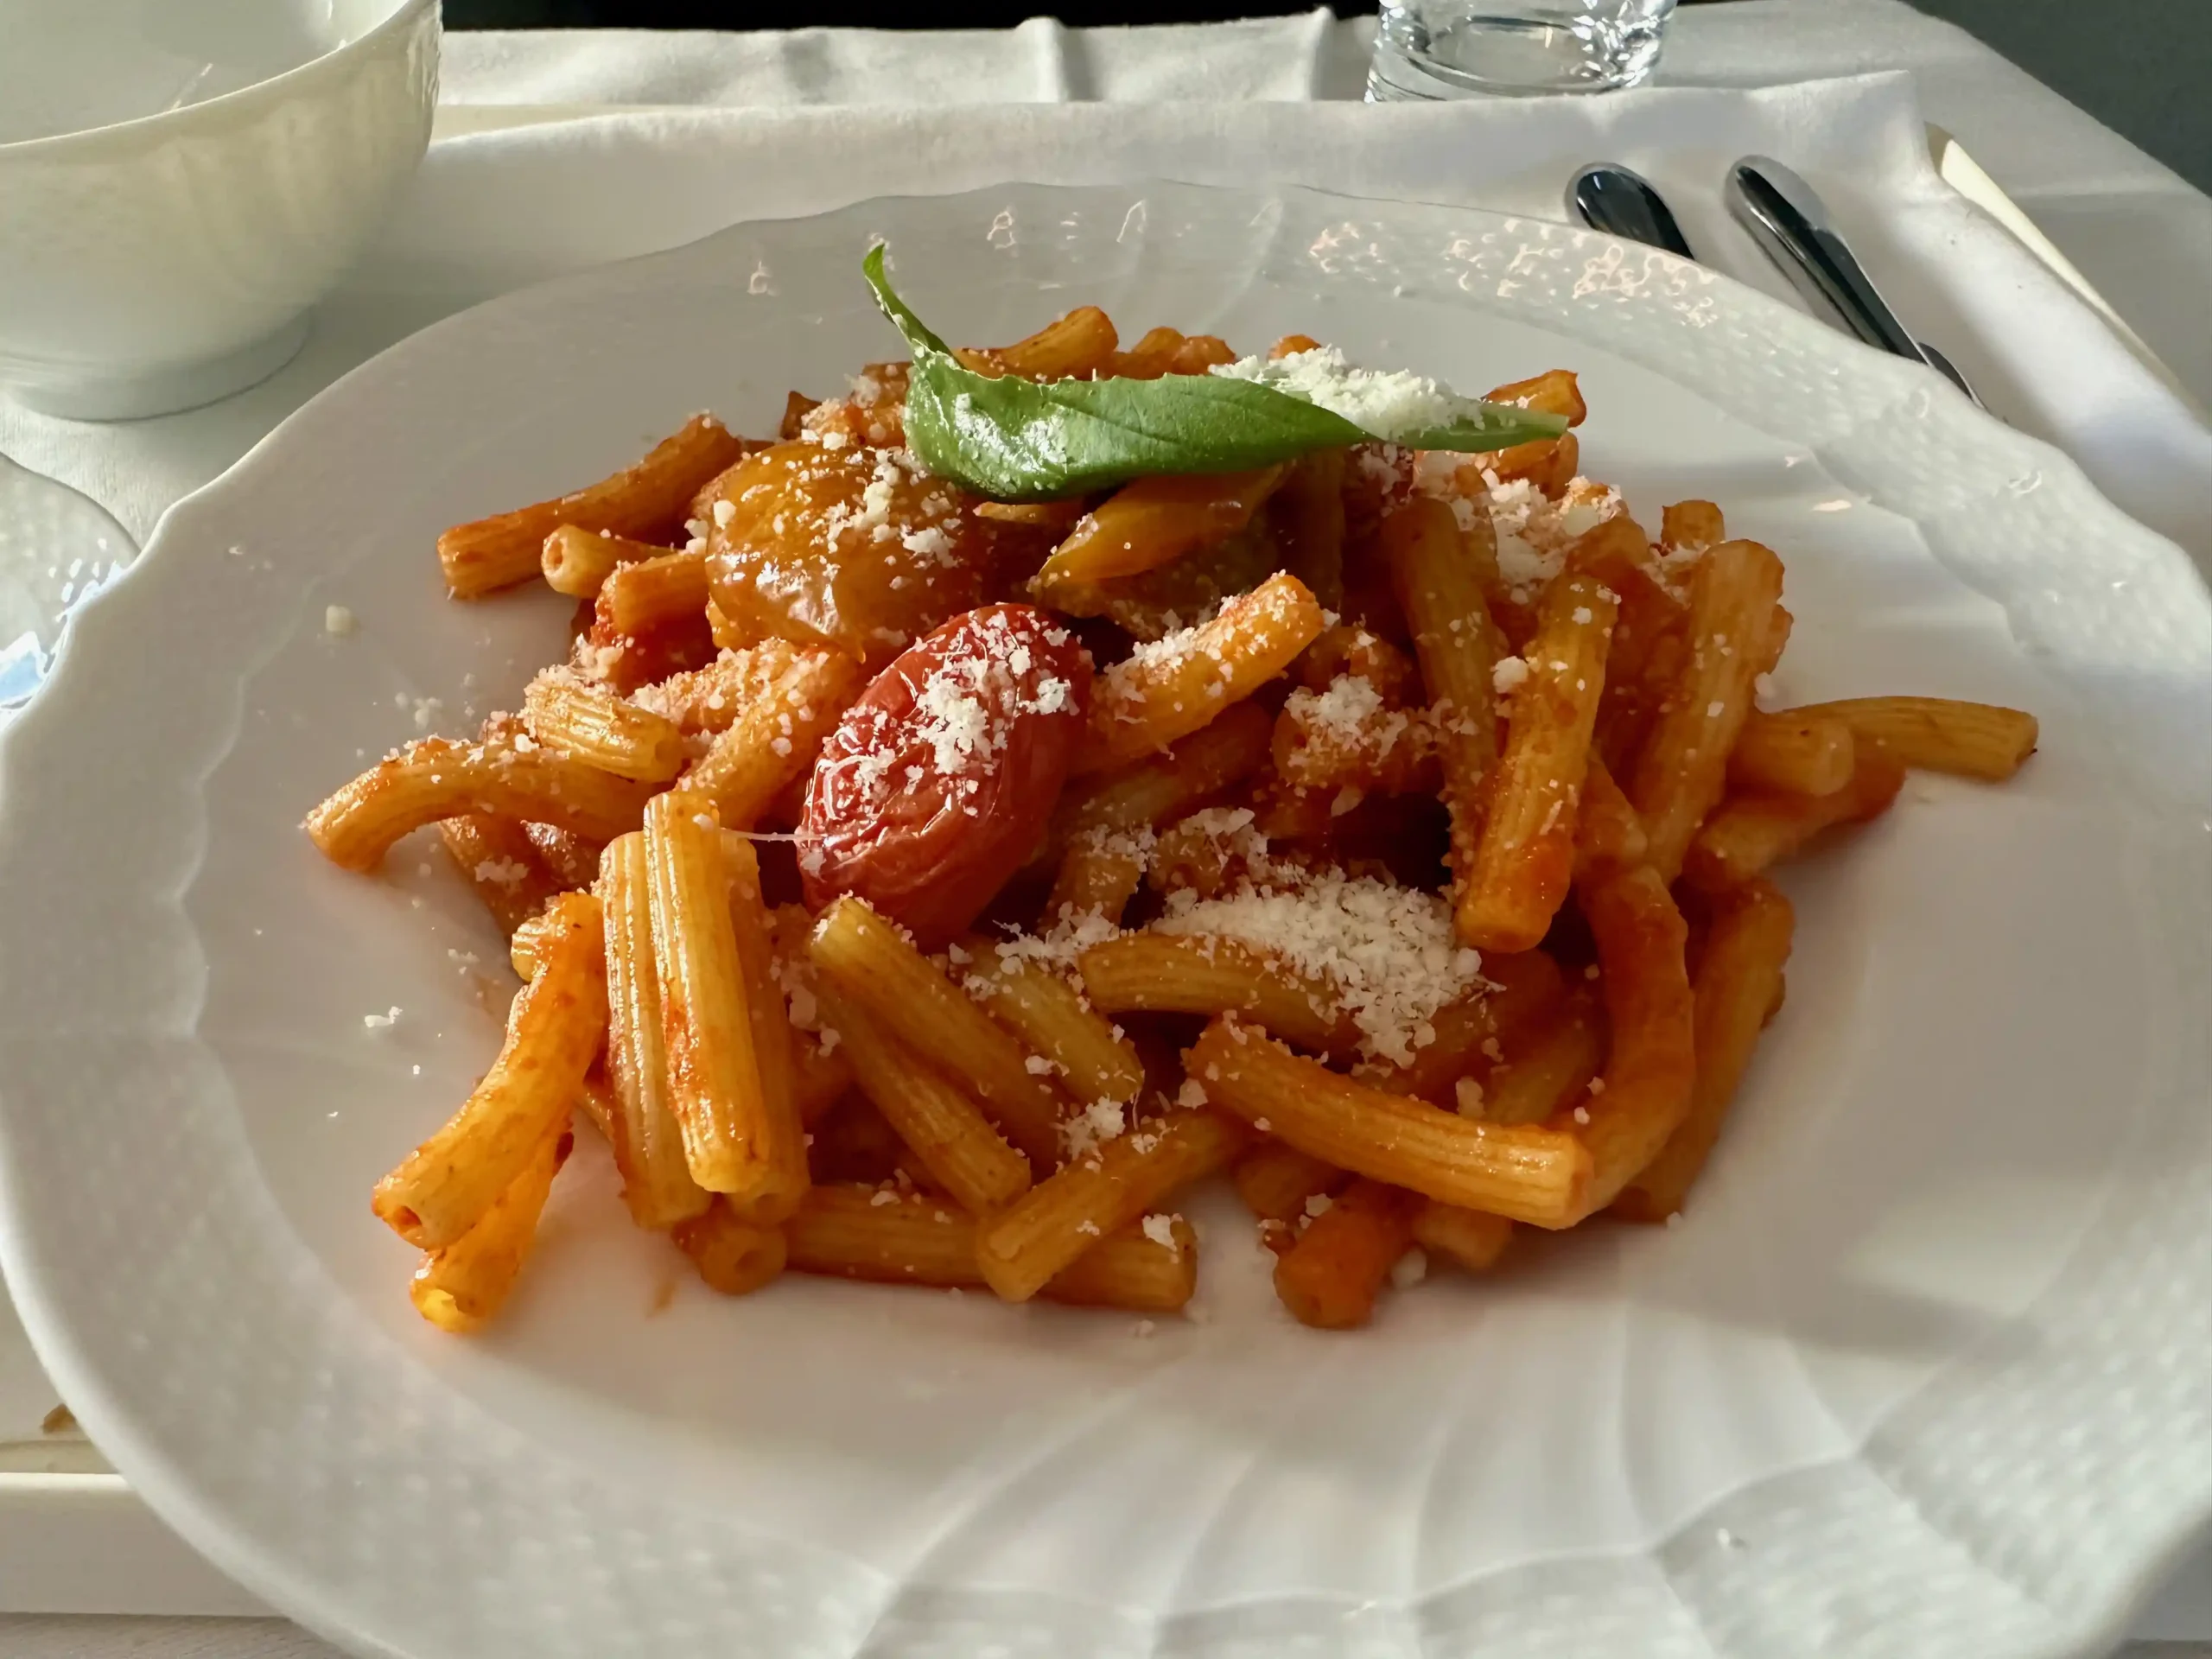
(402, 16)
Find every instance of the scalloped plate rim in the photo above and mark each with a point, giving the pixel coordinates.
(154, 1471)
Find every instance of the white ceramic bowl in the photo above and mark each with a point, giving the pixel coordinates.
(181, 180)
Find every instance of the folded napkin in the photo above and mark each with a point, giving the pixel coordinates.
(1042, 61)
(494, 210)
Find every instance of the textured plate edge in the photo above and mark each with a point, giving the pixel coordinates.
(16, 1248)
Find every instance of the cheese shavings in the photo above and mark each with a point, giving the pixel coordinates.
(1385, 402)
(1388, 952)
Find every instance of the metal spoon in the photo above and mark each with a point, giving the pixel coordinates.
(1608, 197)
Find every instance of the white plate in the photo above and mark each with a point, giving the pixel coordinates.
(1924, 1371)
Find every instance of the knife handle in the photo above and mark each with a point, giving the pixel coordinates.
(1791, 225)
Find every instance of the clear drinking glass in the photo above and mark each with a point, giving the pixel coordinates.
(1452, 49)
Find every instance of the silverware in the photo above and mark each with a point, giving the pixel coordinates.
(1608, 197)
(1791, 225)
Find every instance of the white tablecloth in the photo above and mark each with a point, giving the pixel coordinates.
(2139, 231)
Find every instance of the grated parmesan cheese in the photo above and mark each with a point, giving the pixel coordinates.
(1161, 1229)
(1100, 1121)
(1388, 402)
(1388, 952)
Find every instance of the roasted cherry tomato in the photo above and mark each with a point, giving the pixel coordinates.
(850, 546)
(938, 782)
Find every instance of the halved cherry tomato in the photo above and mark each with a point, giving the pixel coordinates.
(939, 781)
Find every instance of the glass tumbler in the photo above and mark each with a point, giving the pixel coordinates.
(1453, 49)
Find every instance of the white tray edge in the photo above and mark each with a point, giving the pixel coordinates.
(88, 1544)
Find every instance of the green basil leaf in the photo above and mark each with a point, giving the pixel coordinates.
(1010, 439)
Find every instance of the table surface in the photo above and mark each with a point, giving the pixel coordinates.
(2139, 232)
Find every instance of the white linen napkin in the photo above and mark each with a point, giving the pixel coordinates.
(1041, 61)
(494, 210)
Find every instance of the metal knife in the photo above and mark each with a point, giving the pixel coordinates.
(1788, 219)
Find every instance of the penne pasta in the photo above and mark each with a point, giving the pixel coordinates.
(1150, 357)
(1307, 518)
(573, 858)
(1555, 391)
(1682, 770)
(1652, 1063)
(655, 593)
(1973, 740)
(578, 561)
(450, 1182)
(1791, 753)
(602, 729)
(1691, 526)
(1172, 688)
(710, 699)
(494, 856)
(945, 1130)
(1068, 348)
(1099, 874)
(1527, 1173)
(647, 501)
(1525, 859)
(1154, 521)
(1739, 983)
(1439, 589)
(1278, 1182)
(776, 738)
(1469, 1035)
(1159, 973)
(649, 1150)
(1331, 1277)
(1467, 1238)
(1305, 758)
(1550, 1070)
(1060, 1219)
(1052, 1020)
(774, 1041)
(894, 1238)
(1747, 835)
(733, 1256)
(877, 968)
(595, 1100)
(733, 1139)
(462, 1287)
(437, 778)
(1163, 788)
(1347, 737)
(1608, 836)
